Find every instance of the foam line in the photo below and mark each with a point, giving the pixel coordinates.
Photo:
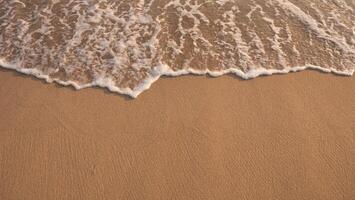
(164, 70)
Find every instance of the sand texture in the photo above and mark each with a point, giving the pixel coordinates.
(280, 137)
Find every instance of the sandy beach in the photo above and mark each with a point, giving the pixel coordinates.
(280, 137)
(192, 137)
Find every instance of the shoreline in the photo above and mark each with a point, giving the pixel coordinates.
(165, 71)
(189, 137)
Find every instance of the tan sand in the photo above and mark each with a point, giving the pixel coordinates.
(280, 137)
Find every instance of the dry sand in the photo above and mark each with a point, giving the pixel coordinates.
(280, 137)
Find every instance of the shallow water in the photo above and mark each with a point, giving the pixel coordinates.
(126, 45)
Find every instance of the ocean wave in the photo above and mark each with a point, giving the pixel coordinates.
(125, 46)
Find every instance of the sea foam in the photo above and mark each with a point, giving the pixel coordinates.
(127, 45)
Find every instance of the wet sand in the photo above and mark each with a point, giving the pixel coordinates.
(278, 137)
(126, 45)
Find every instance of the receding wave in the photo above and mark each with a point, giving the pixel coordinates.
(126, 45)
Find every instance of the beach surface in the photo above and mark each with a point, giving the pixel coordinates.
(191, 137)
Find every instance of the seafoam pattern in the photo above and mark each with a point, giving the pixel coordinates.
(126, 45)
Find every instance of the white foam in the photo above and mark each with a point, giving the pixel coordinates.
(164, 70)
(127, 45)
(314, 25)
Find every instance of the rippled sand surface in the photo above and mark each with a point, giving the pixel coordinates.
(126, 45)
